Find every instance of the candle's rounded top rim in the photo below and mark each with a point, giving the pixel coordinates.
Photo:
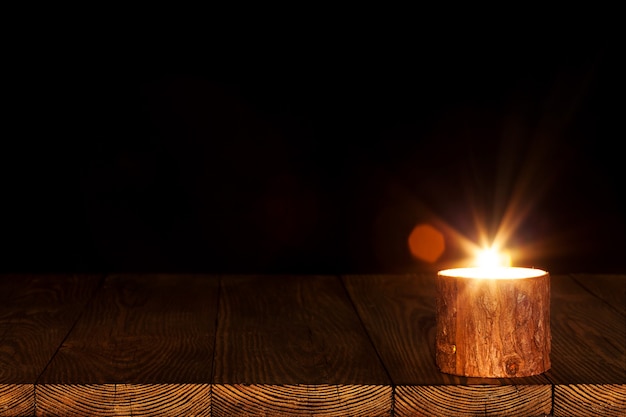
(493, 273)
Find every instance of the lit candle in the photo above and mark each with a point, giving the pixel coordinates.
(493, 320)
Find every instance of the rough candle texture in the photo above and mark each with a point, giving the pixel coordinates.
(495, 328)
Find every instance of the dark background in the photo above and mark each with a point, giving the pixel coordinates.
(310, 157)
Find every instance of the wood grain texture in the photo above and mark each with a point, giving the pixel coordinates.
(36, 314)
(142, 329)
(588, 335)
(493, 327)
(124, 400)
(590, 400)
(399, 314)
(276, 333)
(609, 288)
(284, 345)
(301, 400)
(291, 330)
(466, 401)
(589, 348)
(17, 400)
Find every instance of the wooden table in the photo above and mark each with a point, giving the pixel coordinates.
(200, 345)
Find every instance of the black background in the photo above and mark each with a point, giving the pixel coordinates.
(303, 156)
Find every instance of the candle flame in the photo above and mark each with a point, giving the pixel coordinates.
(492, 258)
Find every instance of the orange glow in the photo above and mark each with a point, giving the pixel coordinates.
(492, 258)
(426, 243)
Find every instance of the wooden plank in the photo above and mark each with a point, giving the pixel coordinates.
(36, 314)
(301, 400)
(137, 400)
(588, 337)
(434, 401)
(399, 314)
(609, 288)
(588, 351)
(583, 400)
(17, 400)
(296, 338)
(142, 335)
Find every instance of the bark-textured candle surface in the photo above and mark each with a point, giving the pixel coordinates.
(493, 322)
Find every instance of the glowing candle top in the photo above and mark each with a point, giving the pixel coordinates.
(501, 272)
(492, 264)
